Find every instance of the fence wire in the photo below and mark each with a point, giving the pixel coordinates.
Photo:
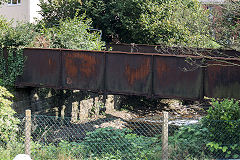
(114, 138)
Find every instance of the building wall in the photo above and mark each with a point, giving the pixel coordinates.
(27, 11)
(19, 12)
(34, 9)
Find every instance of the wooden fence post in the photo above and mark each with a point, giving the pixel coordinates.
(28, 132)
(165, 136)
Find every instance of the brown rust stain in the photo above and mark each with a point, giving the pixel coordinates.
(220, 74)
(214, 69)
(49, 61)
(47, 66)
(162, 68)
(52, 64)
(86, 64)
(138, 73)
(71, 69)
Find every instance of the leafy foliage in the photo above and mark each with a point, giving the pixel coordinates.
(152, 22)
(71, 34)
(182, 22)
(55, 10)
(12, 67)
(123, 142)
(223, 123)
(74, 34)
(8, 123)
(14, 39)
(215, 136)
(226, 24)
(20, 36)
(118, 19)
(190, 142)
(119, 144)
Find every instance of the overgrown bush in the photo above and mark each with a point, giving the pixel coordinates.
(15, 148)
(217, 135)
(225, 24)
(74, 34)
(122, 142)
(101, 144)
(8, 123)
(223, 123)
(14, 39)
(174, 22)
(189, 142)
(52, 11)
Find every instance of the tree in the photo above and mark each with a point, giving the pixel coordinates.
(9, 124)
(53, 11)
(14, 39)
(176, 23)
(226, 24)
(141, 21)
(118, 19)
(74, 34)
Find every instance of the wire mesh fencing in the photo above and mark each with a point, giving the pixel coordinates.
(206, 139)
(98, 139)
(115, 138)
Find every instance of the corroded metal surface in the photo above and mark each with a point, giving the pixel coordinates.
(128, 74)
(222, 79)
(42, 68)
(148, 74)
(83, 70)
(172, 81)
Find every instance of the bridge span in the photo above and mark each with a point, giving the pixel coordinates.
(122, 72)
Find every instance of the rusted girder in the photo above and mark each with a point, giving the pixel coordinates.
(147, 74)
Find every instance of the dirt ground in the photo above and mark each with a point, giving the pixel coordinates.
(177, 109)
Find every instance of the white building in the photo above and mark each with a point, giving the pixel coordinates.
(21, 10)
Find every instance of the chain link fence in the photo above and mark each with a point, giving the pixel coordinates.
(115, 138)
(208, 139)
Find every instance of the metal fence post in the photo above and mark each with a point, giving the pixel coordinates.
(165, 136)
(28, 132)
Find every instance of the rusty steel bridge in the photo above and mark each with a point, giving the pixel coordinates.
(134, 70)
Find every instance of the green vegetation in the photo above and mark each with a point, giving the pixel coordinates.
(189, 142)
(8, 122)
(216, 136)
(53, 11)
(223, 123)
(70, 34)
(226, 24)
(70, 24)
(122, 142)
(181, 22)
(14, 39)
(9, 126)
(103, 143)
(74, 34)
